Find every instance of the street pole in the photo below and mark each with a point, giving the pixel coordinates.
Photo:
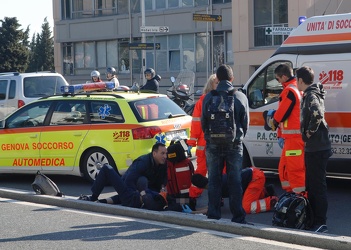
(143, 39)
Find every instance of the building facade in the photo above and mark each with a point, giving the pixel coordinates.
(191, 35)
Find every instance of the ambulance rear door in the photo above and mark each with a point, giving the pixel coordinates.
(333, 71)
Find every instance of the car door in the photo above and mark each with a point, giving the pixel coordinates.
(62, 137)
(19, 138)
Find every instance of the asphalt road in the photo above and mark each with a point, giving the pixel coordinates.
(339, 219)
(36, 226)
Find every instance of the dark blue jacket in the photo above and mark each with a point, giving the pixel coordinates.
(145, 166)
(152, 84)
(241, 111)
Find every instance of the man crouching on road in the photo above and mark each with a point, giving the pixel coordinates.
(142, 185)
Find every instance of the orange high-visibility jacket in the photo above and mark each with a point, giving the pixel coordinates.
(288, 112)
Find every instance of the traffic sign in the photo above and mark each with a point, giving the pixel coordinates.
(154, 29)
(207, 18)
(144, 46)
(278, 30)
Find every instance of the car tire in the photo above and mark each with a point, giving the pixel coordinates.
(93, 161)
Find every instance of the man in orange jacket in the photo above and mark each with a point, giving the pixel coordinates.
(257, 197)
(287, 119)
(197, 140)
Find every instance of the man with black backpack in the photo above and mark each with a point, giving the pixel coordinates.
(225, 120)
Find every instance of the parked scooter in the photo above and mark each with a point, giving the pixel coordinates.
(181, 95)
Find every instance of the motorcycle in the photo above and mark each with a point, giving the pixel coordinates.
(181, 93)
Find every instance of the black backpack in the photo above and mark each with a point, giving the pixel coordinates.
(293, 211)
(220, 117)
(176, 151)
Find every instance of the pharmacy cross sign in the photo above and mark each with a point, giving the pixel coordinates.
(279, 30)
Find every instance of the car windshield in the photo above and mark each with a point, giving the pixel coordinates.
(42, 86)
(156, 108)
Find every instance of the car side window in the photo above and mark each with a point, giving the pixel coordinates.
(68, 113)
(3, 89)
(105, 112)
(32, 115)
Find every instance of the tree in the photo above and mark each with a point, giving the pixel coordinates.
(13, 46)
(42, 50)
(45, 48)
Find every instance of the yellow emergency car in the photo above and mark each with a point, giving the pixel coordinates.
(79, 131)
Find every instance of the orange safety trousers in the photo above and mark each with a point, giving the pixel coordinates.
(292, 165)
(254, 198)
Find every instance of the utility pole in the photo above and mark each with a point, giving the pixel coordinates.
(143, 39)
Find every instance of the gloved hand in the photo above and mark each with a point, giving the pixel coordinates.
(164, 195)
(271, 112)
(186, 209)
(189, 150)
(191, 143)
(281, 142)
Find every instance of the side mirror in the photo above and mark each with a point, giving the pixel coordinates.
(172, 79)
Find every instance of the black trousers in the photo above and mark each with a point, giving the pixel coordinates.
(316, 184)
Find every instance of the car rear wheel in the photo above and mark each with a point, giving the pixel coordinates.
(93, 161)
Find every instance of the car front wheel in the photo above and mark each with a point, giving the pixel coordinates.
(93, 161)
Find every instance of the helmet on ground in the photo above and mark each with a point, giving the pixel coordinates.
(111, 70)
(95, 73)
(150, 71)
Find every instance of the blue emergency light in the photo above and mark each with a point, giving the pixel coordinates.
(87, 87)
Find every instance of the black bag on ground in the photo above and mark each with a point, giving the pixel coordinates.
(44, 185)
(293, 211)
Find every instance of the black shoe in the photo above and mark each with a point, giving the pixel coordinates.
(192, 203)
(270, 190)
(85, 197)
(320, 229)
(199, 181)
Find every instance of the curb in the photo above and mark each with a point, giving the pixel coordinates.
(326, 241)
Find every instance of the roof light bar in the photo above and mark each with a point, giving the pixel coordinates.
(87, 87)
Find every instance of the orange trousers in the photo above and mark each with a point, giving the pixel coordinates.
(292, 165)
(254, 198)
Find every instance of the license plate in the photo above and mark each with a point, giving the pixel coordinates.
(179, 134)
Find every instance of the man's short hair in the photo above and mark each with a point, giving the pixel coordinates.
(224, 72)
(284, 69)
(156, 146)
(306, 74)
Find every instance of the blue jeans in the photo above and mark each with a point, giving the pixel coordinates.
(231, 156)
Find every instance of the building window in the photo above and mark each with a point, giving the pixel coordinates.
(269, 13)
(221, 1)
(122, 7)
(202, 51)
(67, 59)
(188, 52)
(218, 49)
(123, 49)
(174, 52)
(229, 47)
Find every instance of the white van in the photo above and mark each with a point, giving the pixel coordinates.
(324, 44)
(18, 89)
